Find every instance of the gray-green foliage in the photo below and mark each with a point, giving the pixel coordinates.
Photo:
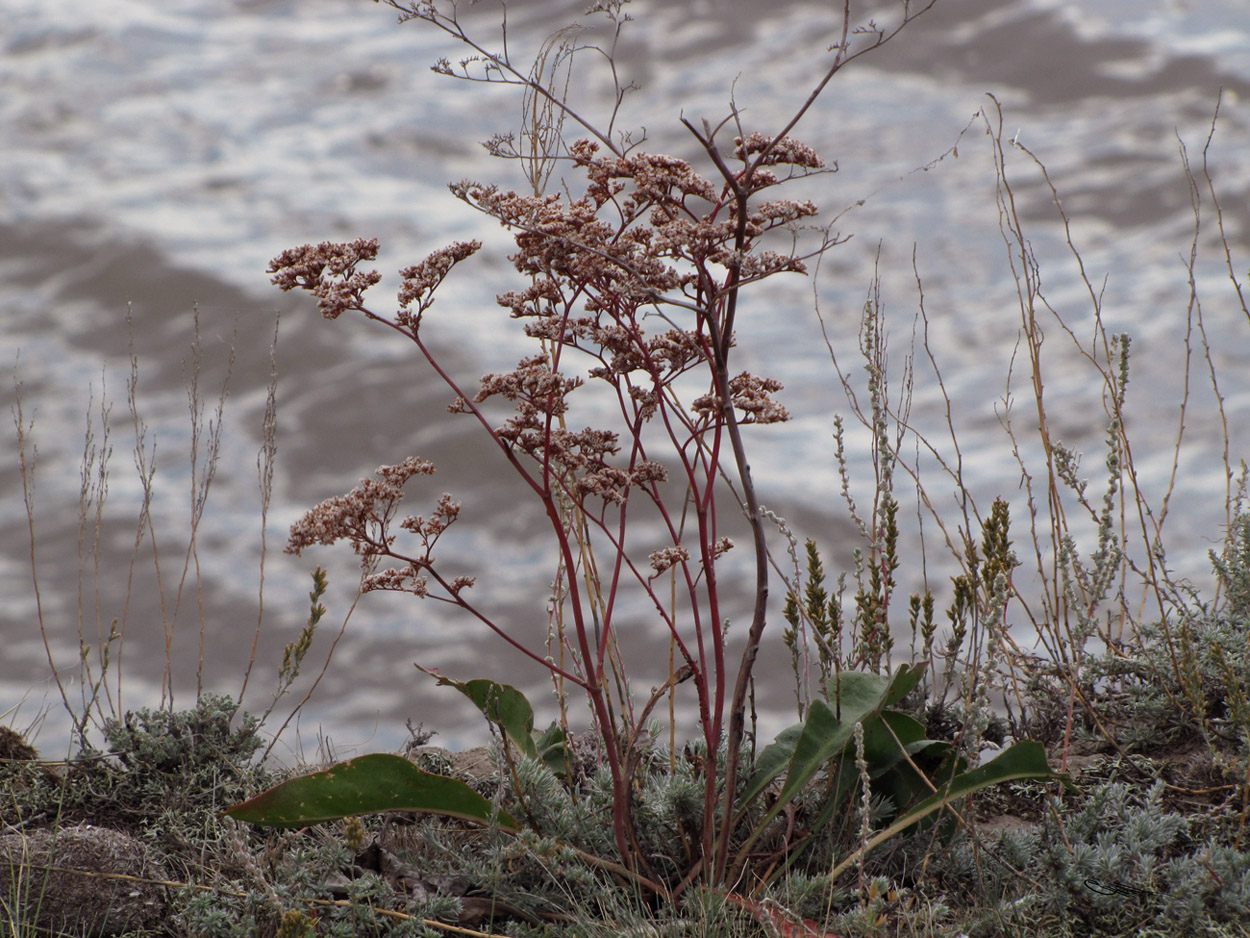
(1178, 680)
(1233, 567)
(169, 744)
(1187, 673)
(160, 773)
(570, 813)
(165, 776)
(1117, 863)
(1184, 677)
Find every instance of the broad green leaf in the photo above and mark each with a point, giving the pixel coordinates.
(805, 747)
(553, 750)
(882, 746)
(885, 758)
(1025, 759)
(503, 705)
(890, 739)
(903, 682)
(366, 785)
(859, 698)
(770, 762)
(908, 774)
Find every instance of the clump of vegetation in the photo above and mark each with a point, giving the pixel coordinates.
(1116, 863)
(960, 786)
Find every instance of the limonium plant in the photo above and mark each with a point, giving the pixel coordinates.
(640, 278)
(631, 277)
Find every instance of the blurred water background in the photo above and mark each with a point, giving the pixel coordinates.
(155, 156)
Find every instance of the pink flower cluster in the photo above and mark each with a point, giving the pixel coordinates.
(640, 275)
(421, 280)
(783, 150)
(362, 515)
(751, 396)
(328, 272)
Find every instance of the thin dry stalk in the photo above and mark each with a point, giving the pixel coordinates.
(266, 461)
(1073, 600)
(102, 632)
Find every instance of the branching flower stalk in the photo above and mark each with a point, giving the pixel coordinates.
(664, 241)
(640, 278)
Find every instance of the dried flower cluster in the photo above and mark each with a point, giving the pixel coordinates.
(648, 235)
(328, 272)
(649, 232)
(782, 150)
(750, 396)
(364, 516)
(663, 559)
(421, 280)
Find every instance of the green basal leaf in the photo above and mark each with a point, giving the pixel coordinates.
(367, 785)
(1025, 759)
(806, 746)
(903, 683)
(503, 705)
(553, 751)
(770, 763)
(893, 741)
(859, 698)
